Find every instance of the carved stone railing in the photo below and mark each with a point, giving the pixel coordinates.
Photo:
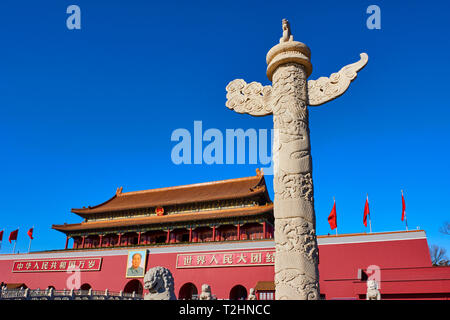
(197, 297)
(51, 294)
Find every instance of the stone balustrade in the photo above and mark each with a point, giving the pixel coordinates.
(52, 294)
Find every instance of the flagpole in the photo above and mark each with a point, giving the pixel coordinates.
(15, 241)
(370, 221)
(406, 220)
(29, 246)
(334, 200)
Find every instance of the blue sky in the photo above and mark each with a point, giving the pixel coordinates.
(83, 112)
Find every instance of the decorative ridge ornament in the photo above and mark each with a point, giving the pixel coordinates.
(287, 99)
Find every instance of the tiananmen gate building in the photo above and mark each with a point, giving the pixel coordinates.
(218, 233)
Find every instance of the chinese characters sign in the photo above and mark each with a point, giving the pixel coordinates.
(53, 265)
(226, 259)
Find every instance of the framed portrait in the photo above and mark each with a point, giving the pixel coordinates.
(136, 262)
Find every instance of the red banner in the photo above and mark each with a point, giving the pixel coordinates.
(226, 259)
(55, 265)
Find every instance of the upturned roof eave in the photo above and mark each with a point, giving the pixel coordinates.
(85, 213)
(152, 220)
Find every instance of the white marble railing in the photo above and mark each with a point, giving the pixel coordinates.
(51, 294)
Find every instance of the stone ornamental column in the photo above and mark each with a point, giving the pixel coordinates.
(289, 66)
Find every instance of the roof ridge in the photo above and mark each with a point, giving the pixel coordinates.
(243, 187)
(124, 194)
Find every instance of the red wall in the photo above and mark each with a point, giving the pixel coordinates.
(405, 265)
(221, 279)
(112, 275)
(340, 261)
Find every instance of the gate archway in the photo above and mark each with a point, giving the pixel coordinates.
(187, 290)
(133, 286)
(238, 292)
(85, 286)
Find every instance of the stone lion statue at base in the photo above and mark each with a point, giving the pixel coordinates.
(206, 293)
(372, 291)
(251, 295)
(160, 284)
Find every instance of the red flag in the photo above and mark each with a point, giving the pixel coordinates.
(30, 233)
(13, 235)
(403, 207)
(1, 235)
(332, 218)
(366, 211)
